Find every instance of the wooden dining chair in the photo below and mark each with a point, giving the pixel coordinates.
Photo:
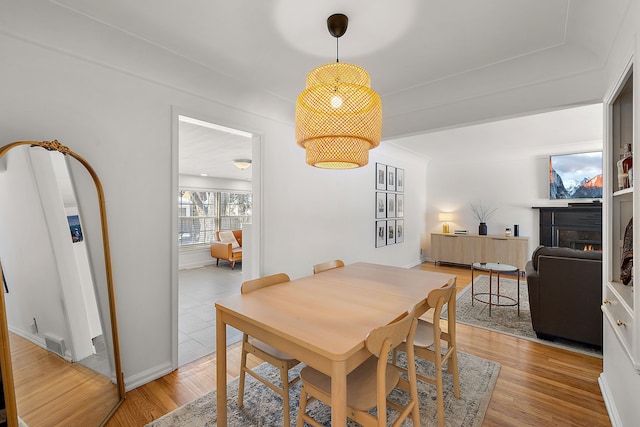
(427, 347)
(327, 266)
(282, 361)
(369, 385)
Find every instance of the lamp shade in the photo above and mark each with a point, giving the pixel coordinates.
(338, 117)
(445, 216)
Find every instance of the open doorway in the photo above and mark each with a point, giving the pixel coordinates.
(214, 196)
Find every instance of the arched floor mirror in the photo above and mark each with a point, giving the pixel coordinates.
(59, 351)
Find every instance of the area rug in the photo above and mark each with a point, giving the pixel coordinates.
(505, 319)
(263, 407)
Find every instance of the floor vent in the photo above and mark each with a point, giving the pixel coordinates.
(55, 344)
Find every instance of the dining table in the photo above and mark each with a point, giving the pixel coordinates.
(323, 320)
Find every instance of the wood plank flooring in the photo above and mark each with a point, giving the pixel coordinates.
(538, 385)
(53, 392)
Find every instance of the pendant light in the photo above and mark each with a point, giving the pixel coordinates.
(338, 115)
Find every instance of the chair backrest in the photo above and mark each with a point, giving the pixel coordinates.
(380, 342)
(263, 282)
(327, 266)
(437, 298)
(385, 338)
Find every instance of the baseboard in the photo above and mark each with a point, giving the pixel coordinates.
(609, 401)
(147, 376)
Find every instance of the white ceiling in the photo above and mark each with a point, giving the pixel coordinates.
(555, 132)
(430, 60)
(204, 150)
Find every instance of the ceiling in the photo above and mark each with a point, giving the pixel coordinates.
(431, 61)
(204, 150)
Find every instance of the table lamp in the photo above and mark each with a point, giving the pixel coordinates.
(445, 217)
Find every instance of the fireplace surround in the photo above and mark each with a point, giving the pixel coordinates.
(577, 226)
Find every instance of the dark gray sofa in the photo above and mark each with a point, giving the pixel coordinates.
(565, 294)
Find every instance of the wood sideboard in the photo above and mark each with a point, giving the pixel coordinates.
(467, 249)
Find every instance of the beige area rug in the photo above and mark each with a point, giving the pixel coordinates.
(505, 319)
(264, 408)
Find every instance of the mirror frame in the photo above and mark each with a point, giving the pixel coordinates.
(5, 354)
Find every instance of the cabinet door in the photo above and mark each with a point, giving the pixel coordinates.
(488, 249)
(452, 248)
(503, 250)
(515, 253)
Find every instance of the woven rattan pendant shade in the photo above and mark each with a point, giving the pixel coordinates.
(338, 117)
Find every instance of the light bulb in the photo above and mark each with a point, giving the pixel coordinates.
(336, 101)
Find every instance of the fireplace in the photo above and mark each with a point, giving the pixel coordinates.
(578, 226)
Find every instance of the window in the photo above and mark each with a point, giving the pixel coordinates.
(235, 210)
(201, 213)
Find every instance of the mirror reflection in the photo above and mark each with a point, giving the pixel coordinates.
(56, 297)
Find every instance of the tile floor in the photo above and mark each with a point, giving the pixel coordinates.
(199, 288)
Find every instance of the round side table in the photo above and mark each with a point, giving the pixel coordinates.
(496, 268)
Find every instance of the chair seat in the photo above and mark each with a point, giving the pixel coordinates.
(260, 345)
(424, 334)
(361, 383)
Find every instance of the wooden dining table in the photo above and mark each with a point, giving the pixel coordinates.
(323, 320)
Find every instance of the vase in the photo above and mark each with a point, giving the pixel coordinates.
(482, 229)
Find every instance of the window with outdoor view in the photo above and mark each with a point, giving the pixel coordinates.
(201, 213)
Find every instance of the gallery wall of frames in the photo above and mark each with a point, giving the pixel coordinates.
(389, 205)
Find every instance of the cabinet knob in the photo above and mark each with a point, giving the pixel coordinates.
(621, 323)
(606, 301)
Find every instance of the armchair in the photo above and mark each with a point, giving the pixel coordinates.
(227, 246)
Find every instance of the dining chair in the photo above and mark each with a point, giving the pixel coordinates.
(327, 266)
(427, 347)
(282, 361)
(369, 385)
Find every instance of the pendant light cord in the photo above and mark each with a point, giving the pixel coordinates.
(337, 58)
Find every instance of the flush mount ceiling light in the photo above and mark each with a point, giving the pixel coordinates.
(338, 115)
(242, 163)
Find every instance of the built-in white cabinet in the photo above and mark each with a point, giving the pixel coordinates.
(467, 249)
(620, 380)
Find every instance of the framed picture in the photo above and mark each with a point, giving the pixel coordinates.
(381, 177)
(400, 231)
(400, 205)
(381, 233)
(391, 232)
(400, 180)
(391, 205)
(381, 205)
(76, 230)
(391, 178)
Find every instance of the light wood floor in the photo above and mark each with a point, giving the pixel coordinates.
(53, 392)
(538, 385)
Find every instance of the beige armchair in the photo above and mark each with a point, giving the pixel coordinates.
(227, 246)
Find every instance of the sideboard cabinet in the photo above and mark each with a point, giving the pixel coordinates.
(467, 249)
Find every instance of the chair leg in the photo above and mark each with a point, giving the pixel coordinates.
(284, 377)
(233, 264)
(243, 366)
(439, 392)
(302, 407)
(217, 261)
(453, 366)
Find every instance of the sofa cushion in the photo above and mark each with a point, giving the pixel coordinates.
(563, 252)
(228, 237)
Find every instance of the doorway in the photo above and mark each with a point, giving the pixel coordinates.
(215, 189)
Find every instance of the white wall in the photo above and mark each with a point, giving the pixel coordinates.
(95, 93)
